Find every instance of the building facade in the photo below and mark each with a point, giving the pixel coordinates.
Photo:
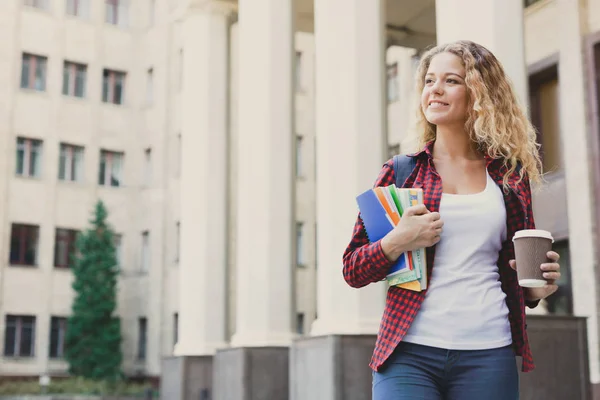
(229, 139)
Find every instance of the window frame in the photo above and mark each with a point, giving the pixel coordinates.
(79, 9)
(67, 237)
(116, 12)
(299, 71)
(118, 243)
(300, 244)
(142, 341)
(175, 328)
(29, 79)
(299, 156)
(111, 79)
(17, 346)
(25, 233)
(108, 157)
(59, 352)
(145, 259)
(392, 81)
(300, 323)
(150, 86)
(73, 73)
(177, 241)
(73, 156)
(29, 146)
(147, 167)
(539, 74)
(592, 81)
(565, 283)
(38, 4)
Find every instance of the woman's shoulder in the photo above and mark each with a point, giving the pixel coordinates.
(386, 175)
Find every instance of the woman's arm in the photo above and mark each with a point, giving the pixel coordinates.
(365, 262)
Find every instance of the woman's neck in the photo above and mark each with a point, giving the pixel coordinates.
(455, 143)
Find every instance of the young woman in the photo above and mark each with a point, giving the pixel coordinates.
(458, 339)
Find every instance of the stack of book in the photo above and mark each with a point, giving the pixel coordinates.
(381, 209)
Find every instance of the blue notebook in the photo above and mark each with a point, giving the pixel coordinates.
(377, 223)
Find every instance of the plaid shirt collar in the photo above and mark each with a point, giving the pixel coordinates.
(495, 167)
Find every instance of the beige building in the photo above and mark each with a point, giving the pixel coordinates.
(197, 122)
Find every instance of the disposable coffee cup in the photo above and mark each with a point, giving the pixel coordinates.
(531, 247)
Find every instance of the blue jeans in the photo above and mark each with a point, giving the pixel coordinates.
(430, 373)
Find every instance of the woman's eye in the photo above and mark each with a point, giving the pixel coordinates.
(428, 81)
(453, 81)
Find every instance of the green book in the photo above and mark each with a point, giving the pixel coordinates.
(394, 194)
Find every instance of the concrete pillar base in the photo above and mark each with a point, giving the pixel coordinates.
(252, 373)
(332, 367)
(186, 378)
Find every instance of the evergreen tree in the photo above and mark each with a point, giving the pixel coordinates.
(93, 339)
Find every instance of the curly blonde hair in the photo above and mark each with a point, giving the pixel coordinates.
(496, 122)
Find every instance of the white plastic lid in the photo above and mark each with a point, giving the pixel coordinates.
(533, 233)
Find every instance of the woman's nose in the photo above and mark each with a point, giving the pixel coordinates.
(437, 88)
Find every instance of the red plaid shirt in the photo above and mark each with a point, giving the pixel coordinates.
(365, 262)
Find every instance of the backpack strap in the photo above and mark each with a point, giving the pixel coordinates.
(403, 167)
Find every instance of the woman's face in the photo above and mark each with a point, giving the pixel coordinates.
(444, 99)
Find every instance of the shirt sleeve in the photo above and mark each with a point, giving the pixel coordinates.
(365, 262)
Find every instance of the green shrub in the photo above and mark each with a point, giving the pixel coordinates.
(77, 386)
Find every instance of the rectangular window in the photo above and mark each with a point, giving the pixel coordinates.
(78, 8)
(74, 77)
(33, 72)
(300, 323)
(142, 338)
(111, 165)
(177, 240)
(300, 244)
(561, 302)
(175, 328)
(41, 4)
(64, 247)
(19, 336)
(299, 164)
(316, 246)
(24, 244)
(116, 12)
(118, 240)
(393, 149)
(113, 86)
(149, 86)
(148, 167)
(145, 251)
(180, 70)
(70, 163)
(392, 83)
(299, 72)
(544, 100)
(178, 157)
(58, 330)
(29, 157)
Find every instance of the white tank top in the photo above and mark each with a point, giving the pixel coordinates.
(465, 307)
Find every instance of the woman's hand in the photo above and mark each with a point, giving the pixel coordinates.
(551, 274)
(418, 228)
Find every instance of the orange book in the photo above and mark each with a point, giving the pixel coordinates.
(393, 213)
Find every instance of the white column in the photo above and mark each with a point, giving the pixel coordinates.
(495, 24)
(573, 106)
(349, 110)
(202, 271)
(265, 174)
